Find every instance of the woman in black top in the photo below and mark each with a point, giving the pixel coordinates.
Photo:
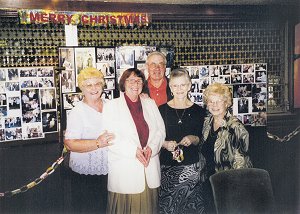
(181, 189)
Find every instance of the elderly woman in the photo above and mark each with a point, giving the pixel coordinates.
(181, 189)
(87, 141)
(134, 169)
(225, 139)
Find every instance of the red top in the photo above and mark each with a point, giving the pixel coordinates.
(159, 95)
(141, 125)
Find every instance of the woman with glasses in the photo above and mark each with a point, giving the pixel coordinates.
(134, 169)
(181, 189)
(225, 140)
(88, 142)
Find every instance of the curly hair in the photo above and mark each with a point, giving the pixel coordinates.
(218, 89)
(89, 73)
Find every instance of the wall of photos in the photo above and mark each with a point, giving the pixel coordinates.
(248, 84)
(28, 107)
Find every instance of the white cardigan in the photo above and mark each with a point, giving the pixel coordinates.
(126, 174)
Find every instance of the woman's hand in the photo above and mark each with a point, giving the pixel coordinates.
(170, 145)
(188, 140)
(147, 153)
(140, 156)
(104, 139)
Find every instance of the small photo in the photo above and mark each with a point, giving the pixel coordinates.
(261, 76)
(195, 88)
(32, 130)
(204, 83)
(30, 82)
(12, 122)
(13, 134)
(13, 74)
(224, 70)
(70, 100)
(236, 69)
(107, 95)
(236, 78)
(242, 90)
(248, 119)
(3, 99)
(110, 84)
(104, 68)
(214, 70)
(14, 103)
(68, 81)
(45, 72)
(248, 68)
(140, 53)
(261, 67)
(49, 120)
(48, 98)
(3, 111)
(248, 78)
(28, 72)
(225, 79)
(194, 72)
(46, 82)
(2, 134)
(12, 86)
(3, 72)
(105, 54)
(260, 119)
(66, 58)
(84, 57)
(203, 71)
(243, 105)
(124, 57)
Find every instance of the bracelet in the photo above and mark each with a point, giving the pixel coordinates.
(98, 144)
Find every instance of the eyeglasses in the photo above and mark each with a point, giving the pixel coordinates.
(216, 102)
(133, 81)
(179, 86)
(155, 65)
(91, 86)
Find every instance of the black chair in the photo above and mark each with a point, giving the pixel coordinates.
(241, 191)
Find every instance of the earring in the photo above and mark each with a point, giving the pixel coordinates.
(172, 94)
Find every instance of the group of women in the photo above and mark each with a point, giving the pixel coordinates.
(130, 156)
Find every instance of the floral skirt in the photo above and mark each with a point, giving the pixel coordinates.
(181, 190)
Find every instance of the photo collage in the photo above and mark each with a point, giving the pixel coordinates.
(248, 84)
(28, 107)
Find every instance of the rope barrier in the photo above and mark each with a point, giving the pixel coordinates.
(37, 181)
(53, 167)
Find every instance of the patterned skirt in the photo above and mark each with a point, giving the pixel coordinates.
(181, 190)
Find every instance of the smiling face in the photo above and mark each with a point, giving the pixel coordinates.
(133, 86)
(216, 105)
(180, 87)
(92, 88)
(156, 66)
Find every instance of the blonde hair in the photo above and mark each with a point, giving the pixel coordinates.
(219, 89)
(89, 73)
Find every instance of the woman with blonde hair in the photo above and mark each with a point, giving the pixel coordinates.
(225, 140)
(88, 142)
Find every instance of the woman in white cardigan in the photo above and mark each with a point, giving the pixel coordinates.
(133, 161)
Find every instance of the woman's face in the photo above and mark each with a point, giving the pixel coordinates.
(180, 87)
(216, 105)
(133, 86)
(92, 88)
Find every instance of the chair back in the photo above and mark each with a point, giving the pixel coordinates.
(241, 191)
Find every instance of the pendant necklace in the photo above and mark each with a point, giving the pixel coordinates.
(180, 118)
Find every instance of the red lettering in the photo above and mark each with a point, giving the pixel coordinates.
(128, 19)
(52, 18)
(143, 18)
(113, 20)
(120, 19)
(101, 19)
(61, 18)
(69, 18)
(93, 19)
(34, 17)
(44, 17)
(84, 19)
(136, 19)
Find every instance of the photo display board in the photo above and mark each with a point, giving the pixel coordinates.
(111, 61)
(248, 84)
(28, 108)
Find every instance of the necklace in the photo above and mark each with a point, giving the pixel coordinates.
(180, 118)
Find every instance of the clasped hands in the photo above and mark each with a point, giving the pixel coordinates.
(144, 155)
(185, 141)
(105, 138)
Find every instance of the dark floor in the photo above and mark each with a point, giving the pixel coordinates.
(20, 165)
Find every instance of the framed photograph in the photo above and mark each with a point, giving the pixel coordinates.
(107, 95)
(48, 98)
